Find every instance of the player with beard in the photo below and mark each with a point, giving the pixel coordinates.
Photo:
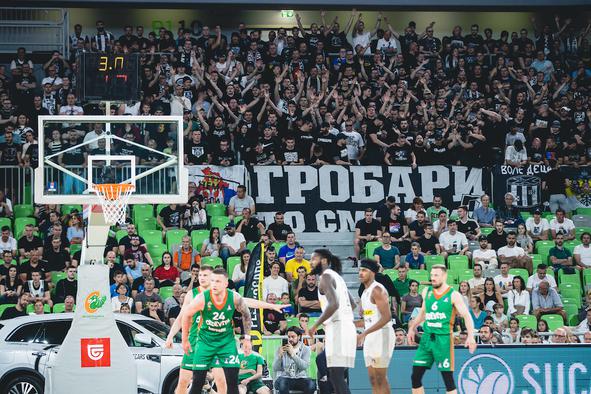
(186, 370)
(378, 339)
(436, 345)
(337, 317)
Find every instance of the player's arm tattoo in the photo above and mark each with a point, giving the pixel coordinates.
(246, 318)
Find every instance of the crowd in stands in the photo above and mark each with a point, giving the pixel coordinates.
(327, 93)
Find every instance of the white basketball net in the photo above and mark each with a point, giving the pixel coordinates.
(114, 198)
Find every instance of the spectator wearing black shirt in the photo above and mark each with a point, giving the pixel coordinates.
(258, 155)
(383, 210)
(554, 183)
(34, 264)
(67, 286)
(20, 309)
(224, 156)
(6, 263)
(509, 213)
(125, 242)
(307, 298)
(366, 230)
(29, 242)
(170, 217)
(498, 238)
(10, 152)
(250, 226)
(274, 322)
(400, 154)
(327, 141)
(417, 227)
(138, 252)
(57, 231)
(290, 154)
(56, 256)
(278, 230)
(466, 225)
(10, 286)
(73, 159)
(395, 224)
(196, 150)
(429, 242)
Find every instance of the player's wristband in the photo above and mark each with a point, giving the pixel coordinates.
(247, 337)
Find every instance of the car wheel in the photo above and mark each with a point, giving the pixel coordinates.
(171, 385)
(24, 385)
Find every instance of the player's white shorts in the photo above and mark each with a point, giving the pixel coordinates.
(340, 344)
(378, 348)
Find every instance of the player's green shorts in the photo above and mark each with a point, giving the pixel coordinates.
(187, 362)
(253, 386)
(214, 355)
(435, 348)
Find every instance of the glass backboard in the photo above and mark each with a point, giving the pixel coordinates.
(76, 152)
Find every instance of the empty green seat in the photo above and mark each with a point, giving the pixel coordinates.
(527, 321)
(457, 262)
(554, 321)
(141, 211)
(431, 260)
(391, 273)
(67, 209)
(216, 209)
(197, 238)
(419, 275)
(146, 223)
(220, 222)
(4, 307)
(251, 245)
(6, 222)
(463, 275)
(212, 261)
(575, 279)
(23, 210)
(572, 314)
(152, 236)
(370, 248)
(232, 262)
(584, 211)
(156, 250)
(587, 277)
(165, 292)
(75, 248)
(519, 272)
(570, 245)
(120, 234)
(486, 230)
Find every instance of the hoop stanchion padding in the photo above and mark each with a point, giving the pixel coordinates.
(114, 198)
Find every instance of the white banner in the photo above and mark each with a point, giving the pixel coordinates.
(217, 183)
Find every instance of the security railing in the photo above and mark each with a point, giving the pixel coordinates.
(37, 29)
(17, 183)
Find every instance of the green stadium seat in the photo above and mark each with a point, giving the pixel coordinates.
(525, 214)
(569, 278)
(251, 245)
(238, 219)
(584, 211)
(391, 273)
(23, 210)
(554, 321)
(20, 223)
(146, 223)
(431, 260)
(419, 275)
(120, 234)
(457, 262)
(31, 308)
(465, 274)
(151, 236)
(580, 230)
(312, 369)
(75, 248)
(570, 245)
(519, 272)
(486, 230)
(6, 222)
(4, 307)
(159, 208)
(573, 293)
(56, 276)
(572, 314)
(212, 261)
(141, 211)
(232, 262)
(370, 247)
(165, 292)
(569, 301)
(268, 351)
(220, 222)
(587, 277)
(156, 250)
(215, 209)
(292, 321)
(59, 308)
(197, 238)
(175, 237)
(536, 260)
(527, 321)
(66, 209)
(277, 246)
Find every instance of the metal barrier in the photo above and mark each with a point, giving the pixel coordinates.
(17, 184)
(37, 29)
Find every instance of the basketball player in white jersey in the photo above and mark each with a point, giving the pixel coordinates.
(378, 339)
(186, 375)
(340, 341)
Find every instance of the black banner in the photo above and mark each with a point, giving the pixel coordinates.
(525, 184)
(332, 198)
(253, 287)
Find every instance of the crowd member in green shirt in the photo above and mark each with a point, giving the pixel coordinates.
(402, 282)
(433, 211)
(251, 372)
(560, 257)
(386, 255)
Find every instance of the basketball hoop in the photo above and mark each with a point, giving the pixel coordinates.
(114, 198)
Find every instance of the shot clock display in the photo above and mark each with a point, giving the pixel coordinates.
(108, 76)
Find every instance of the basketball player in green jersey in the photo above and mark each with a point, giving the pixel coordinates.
(215, 346)
(438, 312)
(186, 371)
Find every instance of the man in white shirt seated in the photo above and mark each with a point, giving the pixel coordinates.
(233, 243)
(240, 201)
(515, 255)
(477, 281)
(537, 226)
(454, 242)
(504, 280)
(484, 256)
(275, 284)
(582, 252)
(540, 276)
(562, 225)
(585, 325)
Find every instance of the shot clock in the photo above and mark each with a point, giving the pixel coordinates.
(108, 76)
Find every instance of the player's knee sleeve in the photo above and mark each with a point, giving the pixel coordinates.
(198, 382)
(231, 380)
(448, 379)
(417, 376)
